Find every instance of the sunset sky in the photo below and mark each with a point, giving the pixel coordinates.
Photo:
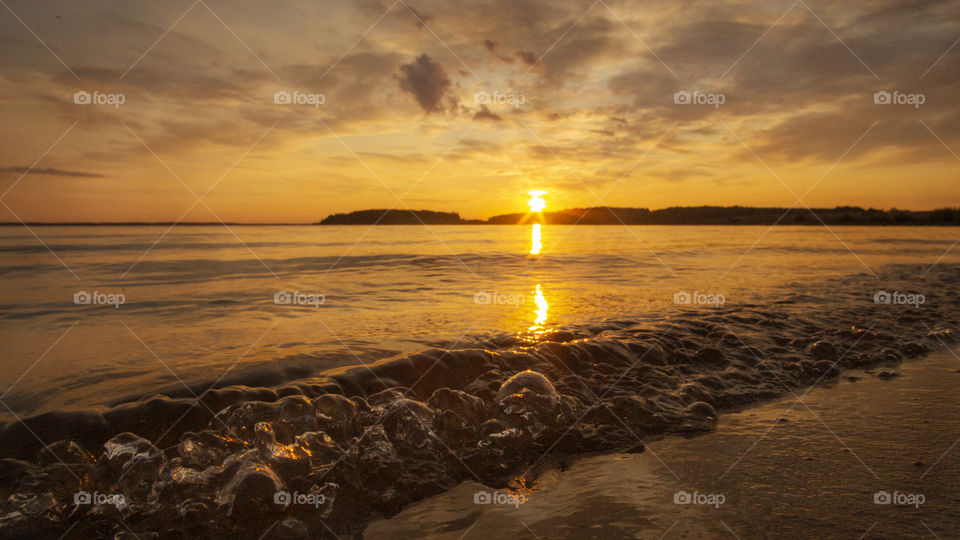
(582, 106)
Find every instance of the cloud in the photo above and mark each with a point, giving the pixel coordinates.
(796, 92)
(494, 48)
(485, 114)
(420, 17)
(579, 49)
(50, 172)
(526, 57)
(428, 83)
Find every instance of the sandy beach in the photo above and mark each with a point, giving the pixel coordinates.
(785, 469)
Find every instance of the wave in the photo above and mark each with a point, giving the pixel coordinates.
(366, 440)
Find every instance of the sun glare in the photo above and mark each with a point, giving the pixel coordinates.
(536, 202)
(542, 306)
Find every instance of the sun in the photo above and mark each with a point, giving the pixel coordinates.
(536, 202)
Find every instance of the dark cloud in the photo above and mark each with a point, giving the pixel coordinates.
(50, 172)
(494, 49)
(485, 114)
(526, 57)
(428, 83)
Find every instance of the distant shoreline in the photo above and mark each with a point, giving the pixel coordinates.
(700, 215)
(142, 224)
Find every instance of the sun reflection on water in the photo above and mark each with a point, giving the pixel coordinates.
(535, 242)
(542, 307)
(535, 332)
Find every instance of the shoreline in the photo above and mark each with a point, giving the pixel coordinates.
(777, 464)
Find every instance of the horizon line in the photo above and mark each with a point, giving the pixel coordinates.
(476, 221)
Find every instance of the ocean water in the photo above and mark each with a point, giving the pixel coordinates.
(201, 371)
(199, 302)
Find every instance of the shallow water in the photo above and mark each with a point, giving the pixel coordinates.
(603, 351)
(200, 303)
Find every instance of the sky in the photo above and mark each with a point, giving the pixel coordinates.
(466, 106)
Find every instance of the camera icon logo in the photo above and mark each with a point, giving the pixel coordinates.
(882, 497)
(682, 297)
(282, 498)
(283, 298)
(682, 497)
(82, 298)
(82, 497)
(882, 297)
(682, 98)
(482, 497)
(482, 298)
(481, 98)
(82, 97)
(282, 97)
(881, 98)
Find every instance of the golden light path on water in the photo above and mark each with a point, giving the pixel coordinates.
(540, 320)
(533, 333)
(537, 205)
(542, 307)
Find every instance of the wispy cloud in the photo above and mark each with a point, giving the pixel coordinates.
(50, 172)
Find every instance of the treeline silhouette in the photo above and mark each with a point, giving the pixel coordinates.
(677, 215)
(397, 217)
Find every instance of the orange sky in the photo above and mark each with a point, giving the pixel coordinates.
(467, 106)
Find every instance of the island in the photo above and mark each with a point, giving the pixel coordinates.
(676, 215)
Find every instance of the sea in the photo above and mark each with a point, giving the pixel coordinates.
(420, 356)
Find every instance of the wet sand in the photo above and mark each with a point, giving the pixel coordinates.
(785, 469)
